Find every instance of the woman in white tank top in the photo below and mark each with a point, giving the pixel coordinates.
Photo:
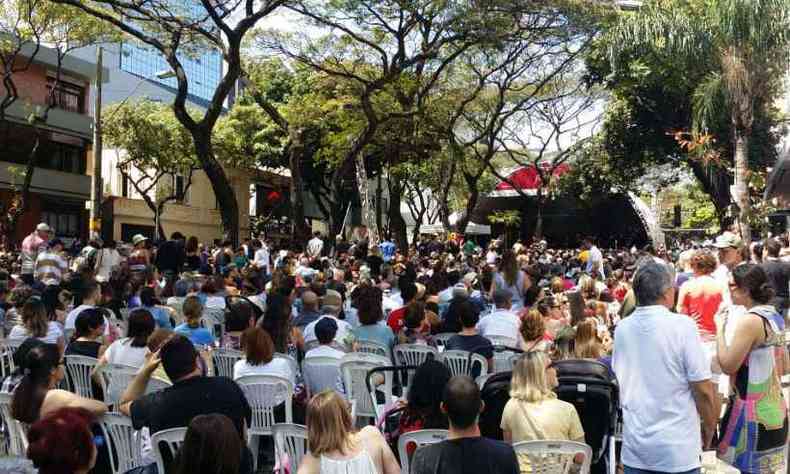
(334, 446)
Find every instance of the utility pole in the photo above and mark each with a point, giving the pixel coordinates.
(96, 181)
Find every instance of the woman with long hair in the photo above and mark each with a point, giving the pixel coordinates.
(36, 324)
(336, 447)
(36, 395)
(755, 361)
(586, 344)
(212, 445)
(276, 322)
(534, 412)
(422, 409)
(88, 332)
(512, 278)
(131, 350)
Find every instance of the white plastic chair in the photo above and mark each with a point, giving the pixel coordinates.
(458, 362)
(80, 368)
(355, 367)
(173, 439)
(15, 430)
(503, 341)
(224, 360)
(554, 457)
(372, 347)
(124, 441)
(502, 361)
(117, 378)
(481, 380)
(294, 364)
(7, 349)
(264, 393)
(290, 446)
(213, 317)
(513, 359)
(420, 438)
(413, 354)
(320, 373)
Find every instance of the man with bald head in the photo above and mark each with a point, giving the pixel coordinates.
(309, 313)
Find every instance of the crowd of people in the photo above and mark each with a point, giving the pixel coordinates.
(684, 331)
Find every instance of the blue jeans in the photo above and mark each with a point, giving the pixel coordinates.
(633, 470)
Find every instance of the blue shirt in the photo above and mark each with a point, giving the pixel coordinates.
(380, 333)
(198, 336)
(388, 250)
(160, 316)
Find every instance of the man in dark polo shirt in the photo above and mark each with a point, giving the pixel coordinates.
(191, 395)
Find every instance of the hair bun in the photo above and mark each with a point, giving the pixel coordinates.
(766, 292)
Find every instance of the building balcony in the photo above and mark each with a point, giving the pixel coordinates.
(59, 120)
(49, 182)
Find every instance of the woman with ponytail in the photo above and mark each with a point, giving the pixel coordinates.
(36, 396)
(35, 323)
(755, 359)
(88, 332)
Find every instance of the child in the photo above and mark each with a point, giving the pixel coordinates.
(193, 311)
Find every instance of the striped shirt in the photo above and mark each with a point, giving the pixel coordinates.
(31, 246)
(50, 268)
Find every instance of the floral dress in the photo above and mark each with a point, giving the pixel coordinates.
(754, 427)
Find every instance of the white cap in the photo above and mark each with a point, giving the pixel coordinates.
(43, 227)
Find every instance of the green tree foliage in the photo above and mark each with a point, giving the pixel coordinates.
(695, 81)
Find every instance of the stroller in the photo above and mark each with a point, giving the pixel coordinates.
(592, 389)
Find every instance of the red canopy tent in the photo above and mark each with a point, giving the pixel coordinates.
(525, 178)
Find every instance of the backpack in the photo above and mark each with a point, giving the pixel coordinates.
(495, 394)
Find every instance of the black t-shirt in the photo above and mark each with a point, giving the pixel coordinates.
(779, 275)
(176, 406)
(84, 348)
(476, 343)
(465, 456)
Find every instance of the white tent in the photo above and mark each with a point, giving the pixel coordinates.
(471, 227)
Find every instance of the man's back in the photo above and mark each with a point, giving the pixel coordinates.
(465, 455)
(779, 275)
(657, 355)
(499, 323)
(176, 406)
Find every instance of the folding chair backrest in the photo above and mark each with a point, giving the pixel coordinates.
(372, 347)
(419, 438)
(502, 361)
(171, 440)
(214, 320)
(555, 457)
(7, 349)
(414, 354)
(459, 363)
(117, 378)
(15, 430)
(291, 361)
(79, 369)
(290, 445)
(224, 360)
(503, 341)
(124, 442)
(264, 393)
(320, 373)
(355, 367)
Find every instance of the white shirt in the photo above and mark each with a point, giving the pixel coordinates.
(595, 259)
(501, 322)
(122, 352)
(491, 257)
(392, 302)
(54, 333)
(106, 259)
(71, 318)
(261, 259)
(315, 246)
(343, 330)
(657, 354)
(325, 351)
(277, 366)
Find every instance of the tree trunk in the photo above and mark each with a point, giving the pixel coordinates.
(160, 229)
(541, 202)
(397, 223)
(741, 188)
(226, 198)
(368, 211)
(379, 224)
(295, 152)
(464, 220)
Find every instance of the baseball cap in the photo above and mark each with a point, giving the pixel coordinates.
(459, 291)
(43, 227)
(727, 240)
(138, 238)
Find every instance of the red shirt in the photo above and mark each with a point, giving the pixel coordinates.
(396, 319)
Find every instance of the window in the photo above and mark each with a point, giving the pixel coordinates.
(179, 183)
(66, 224)
(124, 186)
(62, 157)
(67, 95)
